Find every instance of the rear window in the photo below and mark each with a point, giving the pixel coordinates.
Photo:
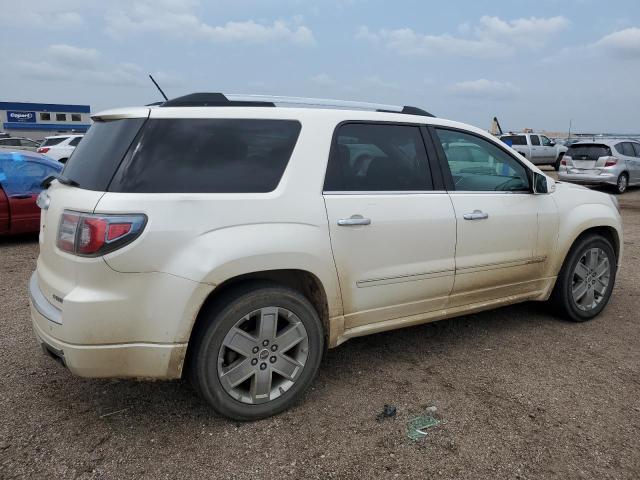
(97, 156)
(53, 141)
(514, 139)
(588, 152)
(75, 141)
(206, 156)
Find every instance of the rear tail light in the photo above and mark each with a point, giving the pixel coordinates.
(564, 160)
(91, 235)
(43, 149)
(611, 161)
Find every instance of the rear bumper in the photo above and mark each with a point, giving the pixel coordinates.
(589, 179)
(57, 330)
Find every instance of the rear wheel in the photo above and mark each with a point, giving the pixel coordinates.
(260, 350)
(622, 183)
(586, 280)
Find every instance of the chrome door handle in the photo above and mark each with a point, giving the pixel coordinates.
(354, 220)
(476, 215)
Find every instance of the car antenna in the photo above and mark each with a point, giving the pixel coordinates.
(158, 87)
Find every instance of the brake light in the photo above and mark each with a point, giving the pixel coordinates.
(91, 235)
(611, 161)
(43, 149)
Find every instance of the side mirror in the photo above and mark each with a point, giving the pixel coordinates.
(543, 184)
(552, 144)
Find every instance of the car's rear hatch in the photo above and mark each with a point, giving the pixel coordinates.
(83, 182)
(588, 156)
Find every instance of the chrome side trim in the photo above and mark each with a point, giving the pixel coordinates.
(41, 304)
(493, 266)
(403, 278)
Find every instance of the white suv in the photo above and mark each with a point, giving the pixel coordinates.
(232, 240)
(60, 147)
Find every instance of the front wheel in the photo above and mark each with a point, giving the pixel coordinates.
(586, 280)
(260, 349)
(556, 166)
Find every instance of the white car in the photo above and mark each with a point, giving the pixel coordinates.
(231, 239)
(60, 147)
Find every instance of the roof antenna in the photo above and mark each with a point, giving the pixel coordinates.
(158, 87)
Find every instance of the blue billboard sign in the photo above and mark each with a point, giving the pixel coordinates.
(21, 117)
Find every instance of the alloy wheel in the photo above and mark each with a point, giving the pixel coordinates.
(591, 278)
(263, 355)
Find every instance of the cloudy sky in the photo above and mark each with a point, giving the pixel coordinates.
(533, 64)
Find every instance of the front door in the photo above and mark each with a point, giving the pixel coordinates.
(497, 220)
(393, 236)
(549, 151)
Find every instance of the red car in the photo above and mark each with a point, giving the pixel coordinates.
(21, 175)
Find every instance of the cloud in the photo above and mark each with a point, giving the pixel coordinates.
(492, 37)
(178, 20)
(483, 88)
(18, 15)
(70, 63)
(623, 43)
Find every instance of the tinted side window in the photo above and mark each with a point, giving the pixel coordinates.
(514, 139)
(377, 157)
(53, 141)
(75, 141)
(636, 148)
(545, 141)
(535, 140)
(96, 158)
(627, 149)
(206, 156)
(478, 165)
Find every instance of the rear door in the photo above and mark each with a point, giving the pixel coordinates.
(497, 218)
(4, 210)
(635, 171)
(22, 186)
(392, 233)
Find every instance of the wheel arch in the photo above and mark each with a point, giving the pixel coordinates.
(303, 281)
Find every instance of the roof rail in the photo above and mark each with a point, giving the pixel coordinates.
(241, 100)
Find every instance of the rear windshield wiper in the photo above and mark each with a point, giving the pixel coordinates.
(47, 181)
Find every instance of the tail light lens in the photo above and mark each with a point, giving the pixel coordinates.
(611, 161)
(565, 160)
(43, 149)
(91, 235)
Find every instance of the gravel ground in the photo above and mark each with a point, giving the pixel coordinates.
(520, 394)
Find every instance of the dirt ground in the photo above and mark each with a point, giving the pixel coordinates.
(520, 393)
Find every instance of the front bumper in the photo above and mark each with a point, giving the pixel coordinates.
(604, 178)
(57, 331)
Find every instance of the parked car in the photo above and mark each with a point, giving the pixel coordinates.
(21, 176)
(611, 162)
(536, 148)
(60, 147)
(18, 143)
(282, 229)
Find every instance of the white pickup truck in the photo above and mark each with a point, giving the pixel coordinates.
(538, 149)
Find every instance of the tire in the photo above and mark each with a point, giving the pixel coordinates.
(622, 183)
(556, 166)
(219, 371)
(576, 307)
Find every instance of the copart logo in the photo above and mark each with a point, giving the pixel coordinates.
(21, 116)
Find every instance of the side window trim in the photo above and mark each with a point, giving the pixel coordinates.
(427, 166)
(444, 164)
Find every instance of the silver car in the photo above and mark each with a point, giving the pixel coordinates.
(18, 143)
(613, 162)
